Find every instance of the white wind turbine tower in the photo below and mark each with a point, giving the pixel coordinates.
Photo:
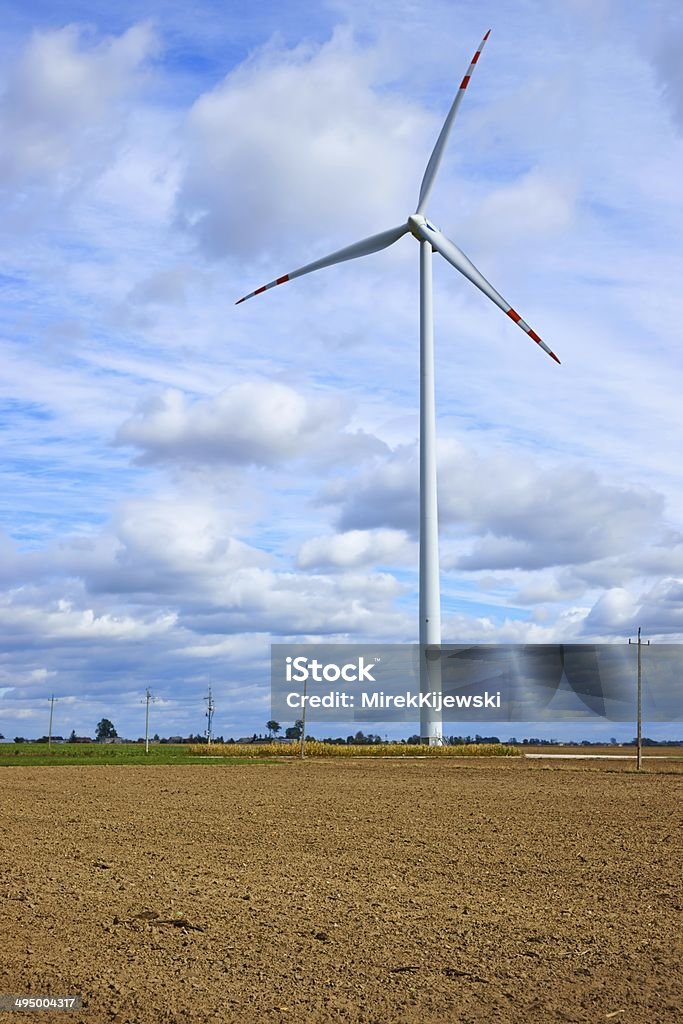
(431, 240)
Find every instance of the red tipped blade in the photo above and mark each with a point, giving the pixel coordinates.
(437, 153)
(363, 248)
(457, 258)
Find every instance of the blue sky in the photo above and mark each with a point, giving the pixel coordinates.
(185, 480)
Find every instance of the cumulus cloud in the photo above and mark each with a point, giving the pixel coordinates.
(614, 610)
(486, 629)
(353, 548)
(257, 422)
(384, 495)
(62, 622)
(298, 143)
(524, 515)
(247, 600)
(185, 533)
(295, 604)
(174, 548)
(58, 97)
(658, 609)
(179, 552)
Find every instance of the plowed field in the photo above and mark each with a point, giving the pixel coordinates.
(386, 891)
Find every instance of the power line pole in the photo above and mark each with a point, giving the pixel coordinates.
(639, 707)
(49, 732)
(148, 698)
(210, 708)
(302, 750)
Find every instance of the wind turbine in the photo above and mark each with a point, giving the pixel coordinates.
(431, 240)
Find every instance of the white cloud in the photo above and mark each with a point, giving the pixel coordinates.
(60, 98)
(569, 625)
(173, 548)
(537, 205)
(179, 532)
(522, 514)
(40, 674)
(353, 548)
(294, 604)
(61, 621)
(256, 422)
(299, 144)
(658, 609)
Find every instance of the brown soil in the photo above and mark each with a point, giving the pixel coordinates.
(389, 892)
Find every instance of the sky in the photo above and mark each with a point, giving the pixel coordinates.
(186, 481)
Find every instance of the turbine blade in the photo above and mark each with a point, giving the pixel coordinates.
(351, 252)
(437, 153)
(456, 257)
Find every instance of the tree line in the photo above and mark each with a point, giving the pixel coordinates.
(105, 731)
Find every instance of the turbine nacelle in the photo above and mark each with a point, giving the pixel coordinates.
(419, 227)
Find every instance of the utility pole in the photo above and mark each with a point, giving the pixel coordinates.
(210, 707)
(639, 708)
(148, 698)
(49, 732)
(302, 751)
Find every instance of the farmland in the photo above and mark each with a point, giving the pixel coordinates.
(39, 754)
(361, 890)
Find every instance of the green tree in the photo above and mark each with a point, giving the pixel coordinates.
(273, 728)
(105, 730)
(294, 731)
(72, 737)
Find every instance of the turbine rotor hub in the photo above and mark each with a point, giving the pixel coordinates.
(417, 225)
